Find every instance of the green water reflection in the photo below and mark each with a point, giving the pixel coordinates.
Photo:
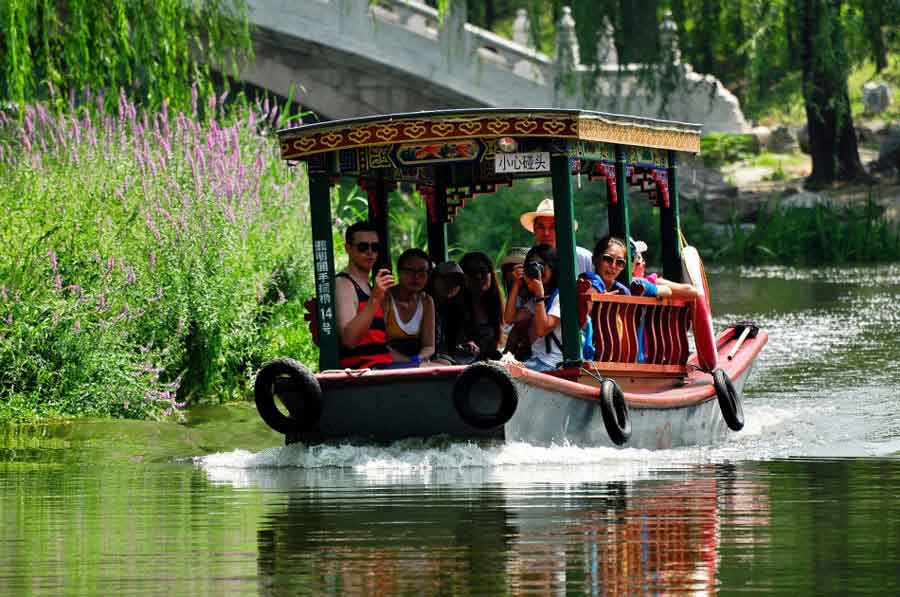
(791, 526)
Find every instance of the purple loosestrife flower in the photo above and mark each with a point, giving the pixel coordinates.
(77, 326)
(101, 302)
(53, 263)
(151, 261)
(129, 276)
(57, 282)
(9, 319)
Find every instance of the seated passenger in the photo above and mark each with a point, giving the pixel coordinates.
(359, 314)
(542, 223)
(609, 261)
(516, 318)
(409, 321)
(540, 276)
(445, 288)
(484, 309)
(653, 284)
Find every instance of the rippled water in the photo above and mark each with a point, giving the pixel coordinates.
(802, 501)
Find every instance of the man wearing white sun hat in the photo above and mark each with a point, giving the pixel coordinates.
(542, 223)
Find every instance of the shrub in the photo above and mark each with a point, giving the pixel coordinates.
(149, 259)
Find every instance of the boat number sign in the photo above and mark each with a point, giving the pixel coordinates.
(323, 286)
(522, 162)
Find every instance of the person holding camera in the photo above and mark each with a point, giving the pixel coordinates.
(542, 223)
(360, 318)
(539, 275)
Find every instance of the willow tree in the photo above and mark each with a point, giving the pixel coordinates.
(154, 49)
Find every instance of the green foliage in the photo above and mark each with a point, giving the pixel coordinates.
(148, 260)
(153, 49)
(816, 235)
(722, 148)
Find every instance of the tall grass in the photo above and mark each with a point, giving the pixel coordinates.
(148, 259)
(823, 234)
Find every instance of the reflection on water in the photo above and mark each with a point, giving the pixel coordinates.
(802, 501)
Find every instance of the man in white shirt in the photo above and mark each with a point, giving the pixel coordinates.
(542, 223)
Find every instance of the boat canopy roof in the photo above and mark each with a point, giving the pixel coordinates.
(397, 141)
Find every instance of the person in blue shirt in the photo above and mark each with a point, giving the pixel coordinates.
(609, 261)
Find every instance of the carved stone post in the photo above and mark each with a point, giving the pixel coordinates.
(522, 28)
(668, 38)
(567, 53)
(607, 54)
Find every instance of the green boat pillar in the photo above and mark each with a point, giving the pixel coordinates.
(618, 212)
(323, 260)
(436, 207)
(564, 210)
(377, 190)
(670, 225)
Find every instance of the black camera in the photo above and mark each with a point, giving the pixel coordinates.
(534, 270)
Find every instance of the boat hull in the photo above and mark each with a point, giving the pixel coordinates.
(387, 406)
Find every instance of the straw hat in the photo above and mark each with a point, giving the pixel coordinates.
(544, 209)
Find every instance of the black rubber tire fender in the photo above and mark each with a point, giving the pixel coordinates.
(462, 390)
(615, 412)
(729, 400)
(296, 387)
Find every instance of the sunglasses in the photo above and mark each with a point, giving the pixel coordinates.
(364, 247)
(610, 260)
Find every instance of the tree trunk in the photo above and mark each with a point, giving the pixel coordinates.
(832, 138)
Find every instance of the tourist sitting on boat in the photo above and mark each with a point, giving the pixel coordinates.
(539, 276)
(654, 285)
(516, 318)
(542, 223)
(609, 261)
(409, 318)
(359, 314)
(484, 308)
(445, 288)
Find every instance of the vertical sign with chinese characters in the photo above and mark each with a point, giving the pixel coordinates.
(323, 268)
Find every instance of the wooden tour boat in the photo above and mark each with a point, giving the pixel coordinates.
(674, 397)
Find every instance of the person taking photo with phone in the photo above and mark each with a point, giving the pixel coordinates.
(360, 316)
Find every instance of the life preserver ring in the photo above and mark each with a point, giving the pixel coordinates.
(505, 394)
(729, 400)
(615, 412)
(297, 389)
(704, 334)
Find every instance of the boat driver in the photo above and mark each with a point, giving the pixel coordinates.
(542, 223)
(360, 317)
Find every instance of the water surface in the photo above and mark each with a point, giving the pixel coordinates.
(803, 500)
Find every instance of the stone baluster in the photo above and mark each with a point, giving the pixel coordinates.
(522, 28)
(668, 38)
(568, 56)
(607, 54)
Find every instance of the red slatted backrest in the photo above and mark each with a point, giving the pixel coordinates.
(616, 320)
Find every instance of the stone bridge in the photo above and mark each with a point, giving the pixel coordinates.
(350, 58)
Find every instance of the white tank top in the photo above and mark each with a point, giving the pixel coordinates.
(411, 327)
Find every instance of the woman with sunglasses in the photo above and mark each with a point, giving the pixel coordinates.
(609, 261)
(483, 308)
(409, 318)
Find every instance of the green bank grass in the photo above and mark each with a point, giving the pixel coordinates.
(149, 260)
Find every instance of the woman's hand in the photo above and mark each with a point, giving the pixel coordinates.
(535, 286)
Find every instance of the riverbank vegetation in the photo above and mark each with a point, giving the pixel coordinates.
(150, 258)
